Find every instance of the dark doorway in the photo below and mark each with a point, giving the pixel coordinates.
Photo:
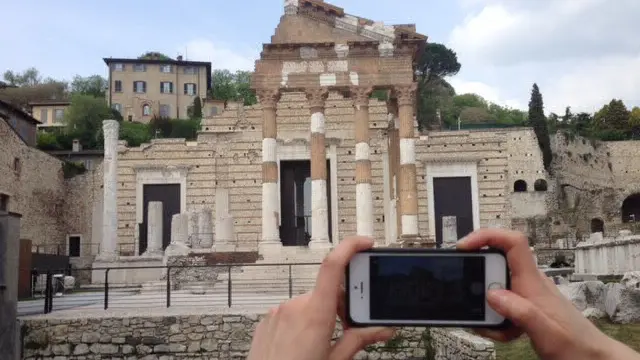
(597, 225)
(452, 197)
(295, 202)
(169, 195)
(631, 209)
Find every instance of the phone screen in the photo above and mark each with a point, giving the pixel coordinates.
(427, 288)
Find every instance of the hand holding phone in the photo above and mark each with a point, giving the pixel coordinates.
(424, 287)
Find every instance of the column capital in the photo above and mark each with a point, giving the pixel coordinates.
(268, 97)
(405, 94)
(317, 97)
(360, 95)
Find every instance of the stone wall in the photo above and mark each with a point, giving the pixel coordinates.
(211, 336)
(609, 257)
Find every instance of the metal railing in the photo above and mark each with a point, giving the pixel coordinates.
(134, 287)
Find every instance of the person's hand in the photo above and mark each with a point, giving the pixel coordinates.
(534, 305)
(302, 328)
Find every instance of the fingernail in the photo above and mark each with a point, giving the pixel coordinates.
(498, 298)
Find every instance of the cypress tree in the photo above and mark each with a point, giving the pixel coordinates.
(540, 127)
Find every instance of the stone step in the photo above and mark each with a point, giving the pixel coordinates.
(153, 287)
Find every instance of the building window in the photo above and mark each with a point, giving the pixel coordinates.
(165, 68)
(118, 67)
(117, 107)
(74, 246)
(166, 87)
(139, 86)
(146, 110)
(190, 70)
(520, 186)
(139, 67)
(130, 117)
(214, 111)
(58, 115)
(44, 114)
(165, 110)
(17, 166)
(540, 185)
(4, 202)
(117, 86)
(190, 89)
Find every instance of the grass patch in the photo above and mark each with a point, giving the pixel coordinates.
(521, 349)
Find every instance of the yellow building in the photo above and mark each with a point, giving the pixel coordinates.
(49, 113)
(142, 88)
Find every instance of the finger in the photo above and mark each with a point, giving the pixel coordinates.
(507, 335)
(513, 243)
(354, 340)
(523, 313)
(342, 309)
(331, 273)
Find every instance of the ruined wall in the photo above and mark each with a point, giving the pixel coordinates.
(212, 336)
(626, 167)
(488, 150)
(34, 182)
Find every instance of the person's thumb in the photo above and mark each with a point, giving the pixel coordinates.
(522, 312)
(354, 340)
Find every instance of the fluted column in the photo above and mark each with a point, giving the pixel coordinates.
(407, 180)
(109, 241)
(319, 207)
(364, 201)
(270, 214)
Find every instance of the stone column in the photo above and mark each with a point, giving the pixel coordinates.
(319, 208)
(407, 176)
(270, 213)
(205, 228)
(449, 231)
(224, 238)
(154, 229)
(109, 239)
(364, 201)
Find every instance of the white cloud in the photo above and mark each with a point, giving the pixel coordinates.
(582, 53)
(220, 55)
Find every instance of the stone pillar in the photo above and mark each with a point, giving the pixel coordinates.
(193, 237)
(179, 235)
(109, 239)
(319, 208)
(205, 228)
(154, 229)
(364, 200)
(9, 274)
(394, 166)
(407, 175)
(224, 238)
(449, 231)
(270, 213)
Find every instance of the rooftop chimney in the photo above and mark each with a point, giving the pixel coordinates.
(179, 57)
(76, 147)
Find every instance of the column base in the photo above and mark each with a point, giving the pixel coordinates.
(153, 253)
(320, 244)
(108, 257)
(177, 249)
(224, 247)
(416, 241)
(269, 247)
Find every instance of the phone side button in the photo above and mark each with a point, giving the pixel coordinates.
(496, 286)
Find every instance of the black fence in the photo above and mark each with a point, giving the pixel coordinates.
(209, 286)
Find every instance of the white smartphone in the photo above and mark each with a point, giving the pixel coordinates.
(425, 287)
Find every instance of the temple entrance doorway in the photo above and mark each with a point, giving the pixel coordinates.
(169, 195)
(453, 198)
(295, 202)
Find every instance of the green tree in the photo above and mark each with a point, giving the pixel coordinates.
(154, 55)
(539, 123)
(582, 123)
(195, 110)
(23, 95)
(436, 62)
(134, 133)
(613, 116)
(634, 122)
(94, 85)
(84, 118)
(29, 77)
(48, 141)
(229, 86)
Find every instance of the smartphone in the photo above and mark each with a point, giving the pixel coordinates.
(425, 287)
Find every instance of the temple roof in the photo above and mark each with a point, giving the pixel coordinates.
(312, 21)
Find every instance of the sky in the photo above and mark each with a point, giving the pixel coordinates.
(581, 53)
